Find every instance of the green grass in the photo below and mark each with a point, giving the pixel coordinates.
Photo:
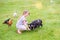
(50, 14)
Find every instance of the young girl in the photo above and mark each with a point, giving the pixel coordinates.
(22, 23)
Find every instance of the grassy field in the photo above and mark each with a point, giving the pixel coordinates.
(48, 11)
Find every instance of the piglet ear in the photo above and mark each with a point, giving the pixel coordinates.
(32, 25)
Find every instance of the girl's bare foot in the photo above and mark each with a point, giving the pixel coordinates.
(19, 32)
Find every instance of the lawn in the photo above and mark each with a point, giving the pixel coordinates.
(46, 10)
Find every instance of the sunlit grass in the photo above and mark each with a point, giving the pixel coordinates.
(39, 9)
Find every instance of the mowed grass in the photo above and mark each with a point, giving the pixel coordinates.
(39, 9)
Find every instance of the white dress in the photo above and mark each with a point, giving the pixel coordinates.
(20, 24)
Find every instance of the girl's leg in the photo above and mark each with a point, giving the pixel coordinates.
(27, 27)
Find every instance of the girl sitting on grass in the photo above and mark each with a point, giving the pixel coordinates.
(22, 23)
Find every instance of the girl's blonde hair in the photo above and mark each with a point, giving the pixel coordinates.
(25, 11)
